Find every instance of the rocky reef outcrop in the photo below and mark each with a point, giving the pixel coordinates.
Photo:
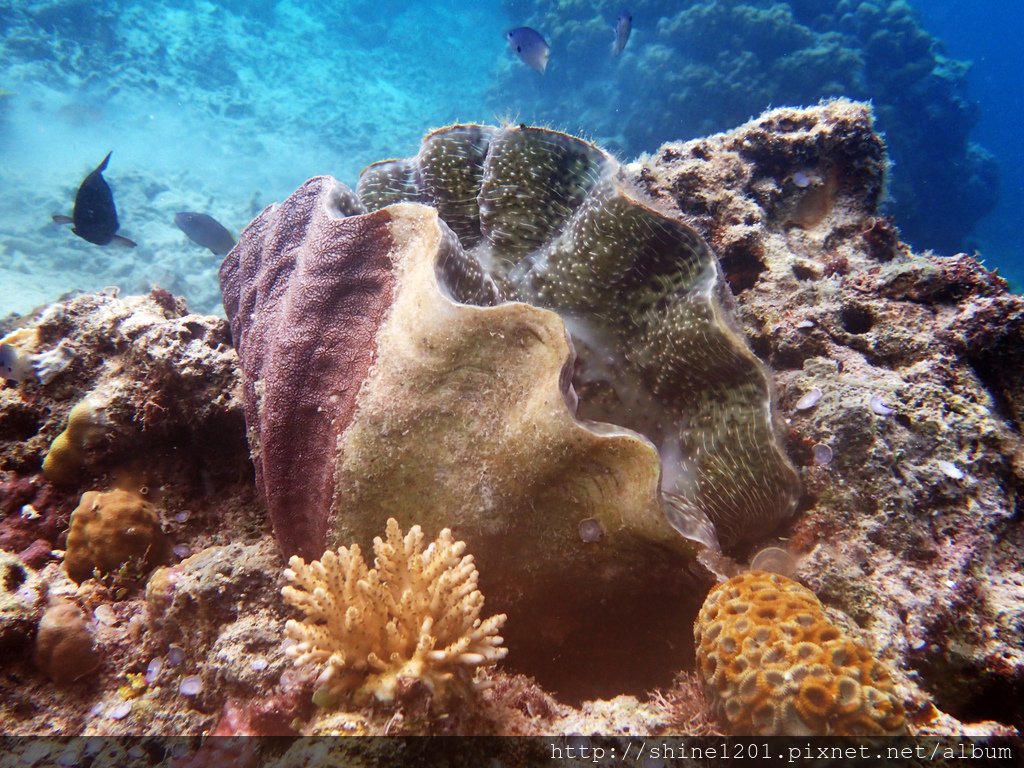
(689, 71)
(910, 526)
(138, 394)
(897, 376)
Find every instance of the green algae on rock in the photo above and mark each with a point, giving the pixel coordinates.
(553, 221)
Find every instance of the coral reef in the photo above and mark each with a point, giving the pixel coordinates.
(148, 400)
(905, 367)
(412, 620)
(689, 71)
(774, 665)
(111, 530)
(913, 528)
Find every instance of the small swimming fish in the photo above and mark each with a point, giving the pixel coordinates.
(623, 26)
(18, 365)
(530, 47)
(15, 365)
(205, 231)
(95, 217)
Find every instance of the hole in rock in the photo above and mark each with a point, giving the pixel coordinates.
(856, 320)
(14, 577)
(741, 267)
(993, 695)
(581, 651)
(20, 423)
(1000, 368)
(805, 272)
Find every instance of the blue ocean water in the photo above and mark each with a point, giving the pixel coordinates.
(989, 35)
(226, 107)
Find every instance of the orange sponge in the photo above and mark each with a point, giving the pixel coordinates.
(773, 664)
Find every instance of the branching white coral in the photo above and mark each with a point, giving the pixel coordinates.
(414, 617)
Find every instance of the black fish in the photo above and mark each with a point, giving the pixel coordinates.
(205, 231)
(95, 217)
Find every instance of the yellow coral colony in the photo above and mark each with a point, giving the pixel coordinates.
(63, 462)
(413, 618)
(773, 664)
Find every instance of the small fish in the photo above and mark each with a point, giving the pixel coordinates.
(623, 26)
(15, 365)
(18, 365)
(95, 217)
(530, 47)
(205, 231)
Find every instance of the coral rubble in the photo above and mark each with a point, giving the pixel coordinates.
(411, 620)
(774, 665)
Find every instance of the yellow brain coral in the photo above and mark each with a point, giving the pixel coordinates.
(773, 664)
(413, 618)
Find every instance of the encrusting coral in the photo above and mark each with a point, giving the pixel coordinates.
(413, 618)
(109, 530)
(774, 665)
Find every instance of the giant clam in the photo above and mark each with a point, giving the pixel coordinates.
(502, 336)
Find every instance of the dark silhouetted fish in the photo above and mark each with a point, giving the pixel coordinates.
(623, 26)
(95, 217)
(205, 231)
(530, 47)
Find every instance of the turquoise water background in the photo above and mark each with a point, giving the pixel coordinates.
(226, 107)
